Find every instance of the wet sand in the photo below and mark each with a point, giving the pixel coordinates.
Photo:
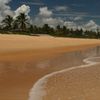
(25, 59)
(77, 84)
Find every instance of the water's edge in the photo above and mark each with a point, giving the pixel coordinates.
(38, 91)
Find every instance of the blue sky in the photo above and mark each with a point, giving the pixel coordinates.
(88, 8)
(71, 13)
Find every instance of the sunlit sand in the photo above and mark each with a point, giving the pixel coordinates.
(26, 59)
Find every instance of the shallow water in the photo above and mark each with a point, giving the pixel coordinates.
(38, 90)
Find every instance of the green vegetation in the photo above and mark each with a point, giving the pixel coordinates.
(21, 25)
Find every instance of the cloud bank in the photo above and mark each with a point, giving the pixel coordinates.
(22, 9)
(61, 8)
(5, 9)
(91, 25)
(44, 12)
(46, 16)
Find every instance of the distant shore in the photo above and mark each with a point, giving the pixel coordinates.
(24, 60)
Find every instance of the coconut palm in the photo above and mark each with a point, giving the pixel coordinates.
(15, 25)
(98, 33)
(22, 21)
(7, 22)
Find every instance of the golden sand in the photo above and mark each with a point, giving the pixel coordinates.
(80, 84)
(22, 61)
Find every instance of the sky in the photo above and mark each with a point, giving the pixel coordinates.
(71, 13)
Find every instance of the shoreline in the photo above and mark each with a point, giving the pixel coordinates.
(80, 82)
(21, 67)
(38, 90)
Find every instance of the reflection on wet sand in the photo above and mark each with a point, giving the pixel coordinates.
(47, 88)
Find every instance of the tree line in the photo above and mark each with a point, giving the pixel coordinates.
(21, 25)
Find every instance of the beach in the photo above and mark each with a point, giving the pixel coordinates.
(75, 84)
(26, 59)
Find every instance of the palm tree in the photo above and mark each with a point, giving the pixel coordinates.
(46, 28)
(22, 21)
(15, 25)
(7, 22)
(31, 29)
(98, 33)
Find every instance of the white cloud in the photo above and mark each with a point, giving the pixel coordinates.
(45, 12)
(45, 17)
(61, 8)
(91, 25)
(70, 24)
(53, 21)
(34, 3)
(5, 9)
(22, 9)
(78, 18)
(50, 21)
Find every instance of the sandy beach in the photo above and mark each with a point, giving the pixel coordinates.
(77, 84)
(26, 59)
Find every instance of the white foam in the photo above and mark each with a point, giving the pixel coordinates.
(38, 90)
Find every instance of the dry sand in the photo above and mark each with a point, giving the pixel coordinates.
(24, 59)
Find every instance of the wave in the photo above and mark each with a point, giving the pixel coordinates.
(38, 90)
